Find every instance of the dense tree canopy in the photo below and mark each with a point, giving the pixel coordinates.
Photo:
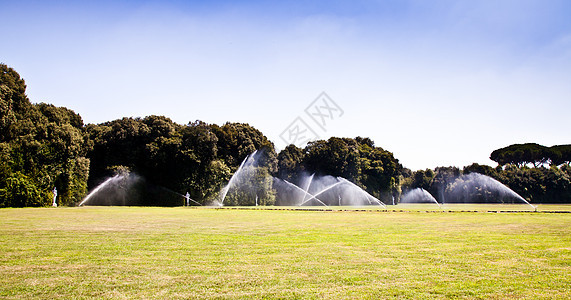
(290, 163)
(198, 157)
(419, 179)
(531, 153)
(358, 160)
(561, 154)
(42, 147)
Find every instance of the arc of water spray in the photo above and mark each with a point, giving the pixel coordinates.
(307, 187)
(233, 178)
(195, 201)
(509, 191)
(306, 194)
(424, 194)
(363, 191)
(99, 187)
(473, 180)
(321, 192)
(191, 199)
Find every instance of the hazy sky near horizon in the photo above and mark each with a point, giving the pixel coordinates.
(438, 83)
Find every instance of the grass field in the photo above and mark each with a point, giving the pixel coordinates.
(166, 253)
(423, 207)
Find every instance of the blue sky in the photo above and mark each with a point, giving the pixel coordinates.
(436, 82)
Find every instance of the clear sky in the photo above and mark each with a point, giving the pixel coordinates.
(438, 83)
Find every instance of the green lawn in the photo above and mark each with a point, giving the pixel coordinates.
(134, 253)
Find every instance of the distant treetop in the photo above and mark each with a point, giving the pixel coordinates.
(532, 153)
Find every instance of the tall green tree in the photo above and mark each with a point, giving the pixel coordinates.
(44, 147)
(561, 154)
(481, 169)
(443, 178)
(421, 179)
(335, 157)
(290, 162)
(522, 154)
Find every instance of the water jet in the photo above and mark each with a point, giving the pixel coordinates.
(419, 195)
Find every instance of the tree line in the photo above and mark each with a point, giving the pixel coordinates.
(43, 146)
(544, 184)
(534, 154)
